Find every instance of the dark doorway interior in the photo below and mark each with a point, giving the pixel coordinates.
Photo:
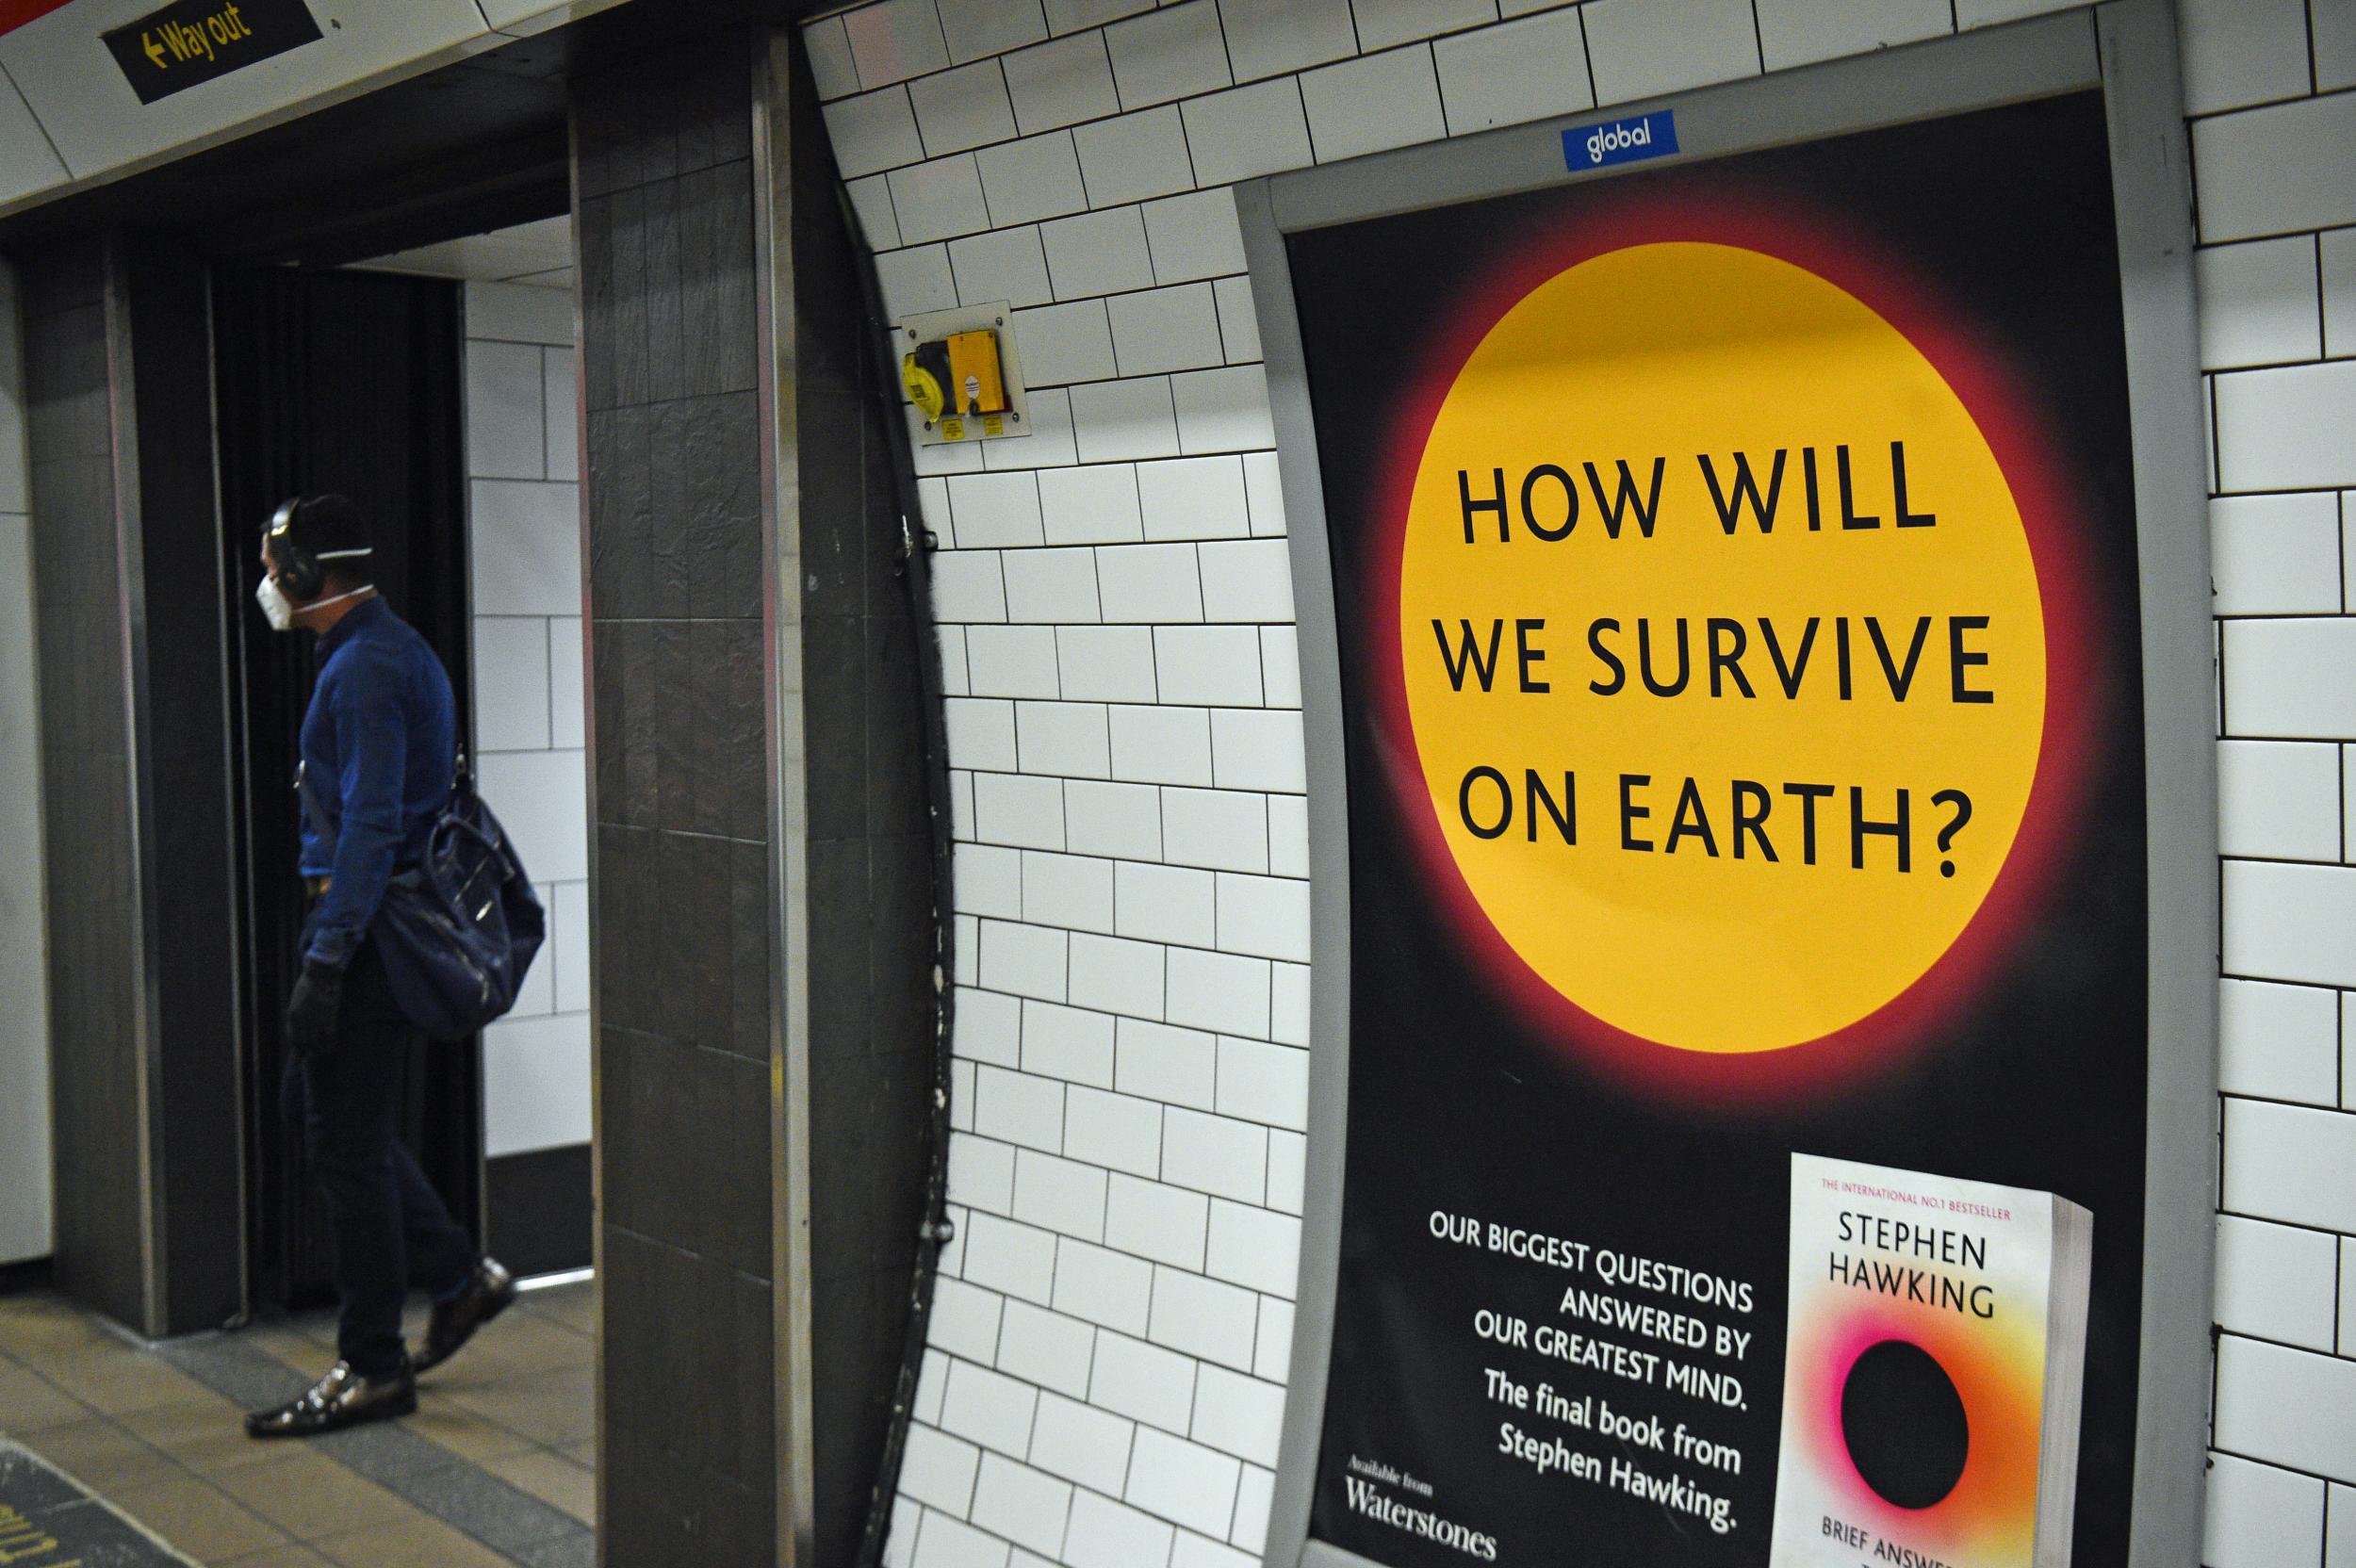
(347, 382)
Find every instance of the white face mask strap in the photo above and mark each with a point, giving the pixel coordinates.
(343, 555)
(349, 594)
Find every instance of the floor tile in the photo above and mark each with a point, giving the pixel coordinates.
(34, 1327)
(29, 1403)
(465, 1433)
(275, 1556)
(549, 1407)
(102, 1456)
(308, 1496)
(207, 1434)
(574, 1305)
(419, 1543)
(115, 1377)
(515, 1344)
(196, 1518)
(552, 1478)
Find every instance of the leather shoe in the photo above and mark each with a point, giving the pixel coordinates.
(342, 1398)
(488, 1291)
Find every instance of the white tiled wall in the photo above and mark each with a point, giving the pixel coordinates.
(25, 1175)
(525, 529)
(1107, 1363)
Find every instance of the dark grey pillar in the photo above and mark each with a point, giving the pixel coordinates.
(136, 784)
(762, 882)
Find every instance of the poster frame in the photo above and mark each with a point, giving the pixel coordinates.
(2128, 49)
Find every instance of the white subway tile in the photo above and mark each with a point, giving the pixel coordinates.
(915, 280)
(1253, 1497)
(1263, 916)
(1258, 1081)
(2275, 1282)
(1124, 820)
(1118, 1131)
(988, 1408)
(1144, 1382)
(1639, 49)
(1252, 130)
(1203, 1317)
(570, 946)
(1264, 494)
(1050, 442)
(1247, 581)
(1373, 102)
(2275, 555)
(1522, 70)
(2241, 52)
(2281, 1162)
(1037, 177)
(1287, 1171)
(1165, 329)
(1149, 1219)
(1279, 665)
(1049, 1349)
(1059, 1195)
(519, 313)
(964, 1319)
(506, 411)
(993, 510)
(1068, 890)
(1271, 1358)
(1105, 1534)
(1063, 737)
(560, 381)
(981, 1171)
(1066, 342)
(2339, 1528)
(1097, 503)
(988, 1026)
(1224, 410)
(2259, 301)
(1071, 1440)
(1009, 808)
(1024, 960)
(1016, 1107)
(1221, 829)
(939, 199)
(1195, 236)
(1070, 1043)
(2290, 922)
(932, 1382)
(543, 797)
(2279, 799)
(977, 28)
(1176, 52)
(2279, 1042)
(1014, 1260)
(2338, 249)
(524, 548)
(2275, 170)
(2294, 678)
(988, 879)
(568, 704)
(2261, 1517)
(1050, 585)
(961, 803)
(1117, 976)
(1208, 665)
(1289, 835)
(1238, 322)
(962, 457)
(1005, 264)
(1132, 157)
(1109, 1288)
(2332, 26)
(2286, 1407)
(1011, 660)
(831, 66)
(2283, 429)
(1108, 664)
(1061, 83)
(1120, 420)
(1183, 1481)
(968, 586)
(962, 109)
(1195, 498)
(1162, 746)
(937, 1470)
(511, 683)
(1070, 16)
(1158, 1062)
(1237, 1414)
(1801, 32)
(1215, 1154)
(1166, 903)
(1257, 1249)
(1022, 1504)
(1149, 584)
(1098, 253)
(1269, 38)
(1218, 991)
(896, 39)
(955, 680)
(947, 1543)
(871, 204)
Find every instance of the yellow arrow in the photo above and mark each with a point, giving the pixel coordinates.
(155, 50)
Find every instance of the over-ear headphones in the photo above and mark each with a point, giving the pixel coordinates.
(301, 572)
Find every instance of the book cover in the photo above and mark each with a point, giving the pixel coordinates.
(1933, 1372)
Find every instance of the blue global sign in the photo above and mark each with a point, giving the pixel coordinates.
(1649, 135)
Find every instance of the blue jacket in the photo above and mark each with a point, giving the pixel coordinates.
(379, 746)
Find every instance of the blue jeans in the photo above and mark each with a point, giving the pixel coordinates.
(388, 1228)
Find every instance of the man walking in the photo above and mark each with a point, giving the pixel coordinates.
(378, 748)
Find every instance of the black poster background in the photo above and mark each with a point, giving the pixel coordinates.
(1458, 1104)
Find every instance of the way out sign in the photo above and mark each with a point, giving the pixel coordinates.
(193, 41)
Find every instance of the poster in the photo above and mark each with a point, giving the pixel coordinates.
(1736, 602)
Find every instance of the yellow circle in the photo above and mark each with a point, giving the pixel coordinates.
(1688, 354)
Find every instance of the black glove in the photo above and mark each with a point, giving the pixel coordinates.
(318, 997)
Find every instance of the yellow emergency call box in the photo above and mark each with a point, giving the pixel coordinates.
(961, 375)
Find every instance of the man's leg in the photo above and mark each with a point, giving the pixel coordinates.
(350, 1123)
(442, 1256)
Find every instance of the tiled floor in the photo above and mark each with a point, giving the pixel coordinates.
(497, 1466)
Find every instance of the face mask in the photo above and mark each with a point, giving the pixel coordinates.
(281, 612)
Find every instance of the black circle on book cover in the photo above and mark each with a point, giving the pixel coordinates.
(1903, 1424)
